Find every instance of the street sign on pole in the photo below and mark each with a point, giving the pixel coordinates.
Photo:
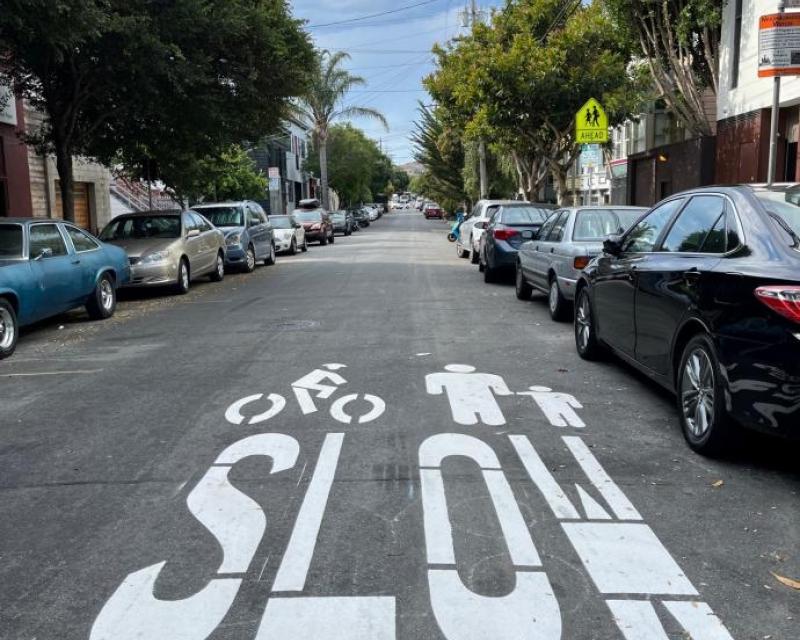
(779, 45)
(591, 124)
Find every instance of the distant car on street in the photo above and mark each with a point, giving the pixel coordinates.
(702, 295)
(343, 222)
(552, 261)
(168, 248)
(290, 235)
(316, 222)
(249, 238)
(48, 267)
(361, 216)
(510, 225)
(432, 210)
(372, 214)
(470, 232)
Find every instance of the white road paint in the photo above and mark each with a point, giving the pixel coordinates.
(471, 395)
(590, 506)
(529, 612)
(558, 408)
(132, 613)
(338, 412)
(361, 618)
(281, 448)
(698, 620)
(313, 381)
(293, 570)
(51, 373)
(520, 545)
(637, 619)
(626, 558)
(234, 412)
(555, 497)
(436, 522)
(612, 494)
(436, 448)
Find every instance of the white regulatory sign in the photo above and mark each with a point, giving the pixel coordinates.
(779, 45)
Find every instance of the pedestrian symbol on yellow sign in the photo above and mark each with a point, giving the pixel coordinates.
(591, 124)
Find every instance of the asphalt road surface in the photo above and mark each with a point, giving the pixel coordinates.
(347, 445)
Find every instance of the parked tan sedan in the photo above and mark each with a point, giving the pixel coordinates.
(168, 247)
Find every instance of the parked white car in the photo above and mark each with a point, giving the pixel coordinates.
(290, 235)
(470, 235)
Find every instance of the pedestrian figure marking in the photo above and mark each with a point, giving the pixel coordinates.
(558, 408)
(595, 117)
(588, 116)
(313, 382)
(471, 395)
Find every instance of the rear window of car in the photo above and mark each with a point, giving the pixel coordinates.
(281, 222)
(784, 208)
(524, 215)
(224, 216)
(10, 241)
(307, 216)
(596, 224)
(140, 227)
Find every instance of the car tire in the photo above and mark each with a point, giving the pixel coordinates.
(348, 232)
(701, 399)
(9, 329)
(250, 259)
(184, 278)
(270, 259)
(218, 274)
(521, 286)
(461, 252)
(304, 248)
(333, 237)
(293, 247)
(103, 300)
(586, 342)
(474, 256)
(489, 273)
(323, 241)
(556, 303)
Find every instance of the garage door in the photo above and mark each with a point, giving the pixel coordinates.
(80, 192)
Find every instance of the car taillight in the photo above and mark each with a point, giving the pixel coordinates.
(783, 300)
(580, 262)
(504, 234)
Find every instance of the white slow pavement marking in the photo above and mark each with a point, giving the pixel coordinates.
(699, 620)
(637, 619)
(361, 618)
(234, 412)
(617, 500)
(438, 531)
(436, 448)
(471, 395)
(591, 507)
(293, 570)
(558, 408)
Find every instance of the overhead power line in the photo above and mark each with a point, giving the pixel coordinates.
(373, 15)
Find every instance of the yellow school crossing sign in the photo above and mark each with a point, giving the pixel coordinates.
(591, 123)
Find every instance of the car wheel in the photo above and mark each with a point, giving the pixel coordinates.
(474, 256)
(270, 259)
(293, 247)
(103, 301)
(250, 259)
(523, 289)
(305, 245)
(219, 269)
(333, 237)
(9, 329)
(556, 303)
(184, 280)
(348, 232)
(489, 273)
(461, 252)
(323, 241)
(586, 342)
(706, 425)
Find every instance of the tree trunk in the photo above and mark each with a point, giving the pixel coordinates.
(66, 181)
(323, 169)
(560, 176)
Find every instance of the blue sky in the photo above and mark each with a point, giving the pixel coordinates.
(391, 52)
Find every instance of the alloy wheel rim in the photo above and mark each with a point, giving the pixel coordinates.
(553, 296)
(251, 258)
(583, 322)
(7, 329)
(184, 276)
(106, 294)
(697, 392)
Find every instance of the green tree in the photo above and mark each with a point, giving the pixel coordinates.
(323, 104)
(400, 180)
(123, 80)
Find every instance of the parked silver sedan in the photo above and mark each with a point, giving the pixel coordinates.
(564, 245)
(168, 248)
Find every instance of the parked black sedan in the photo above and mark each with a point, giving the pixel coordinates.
(703, 296)
(361, 216)
(343, 222)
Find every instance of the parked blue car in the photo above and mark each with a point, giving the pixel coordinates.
(48, 267)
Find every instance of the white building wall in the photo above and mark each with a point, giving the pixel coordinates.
(752, 92)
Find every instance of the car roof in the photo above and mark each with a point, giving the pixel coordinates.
(154, 212)
(209, 205)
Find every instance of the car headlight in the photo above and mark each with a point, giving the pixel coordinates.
(154, 257)
(233, 239)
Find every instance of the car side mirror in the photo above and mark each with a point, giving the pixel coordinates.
(612, 245)
(46, 252)
(193, 233)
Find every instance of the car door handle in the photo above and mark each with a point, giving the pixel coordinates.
(552, 250)
(76, 261)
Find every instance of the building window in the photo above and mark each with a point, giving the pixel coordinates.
(737, 43)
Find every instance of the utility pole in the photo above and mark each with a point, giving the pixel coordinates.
(472, 16)
(776, 106)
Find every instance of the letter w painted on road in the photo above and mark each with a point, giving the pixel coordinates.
(531, 610)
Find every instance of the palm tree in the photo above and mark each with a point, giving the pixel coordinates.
(323, 104)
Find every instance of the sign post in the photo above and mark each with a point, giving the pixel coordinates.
(591, 124)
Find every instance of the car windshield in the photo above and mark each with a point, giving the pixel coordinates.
(524, 215)
(307, 216)
(596, 224)
(224, 216)
(784, 205)
(10, 241)
(337, 216)
(281, 222)
(140, 227)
